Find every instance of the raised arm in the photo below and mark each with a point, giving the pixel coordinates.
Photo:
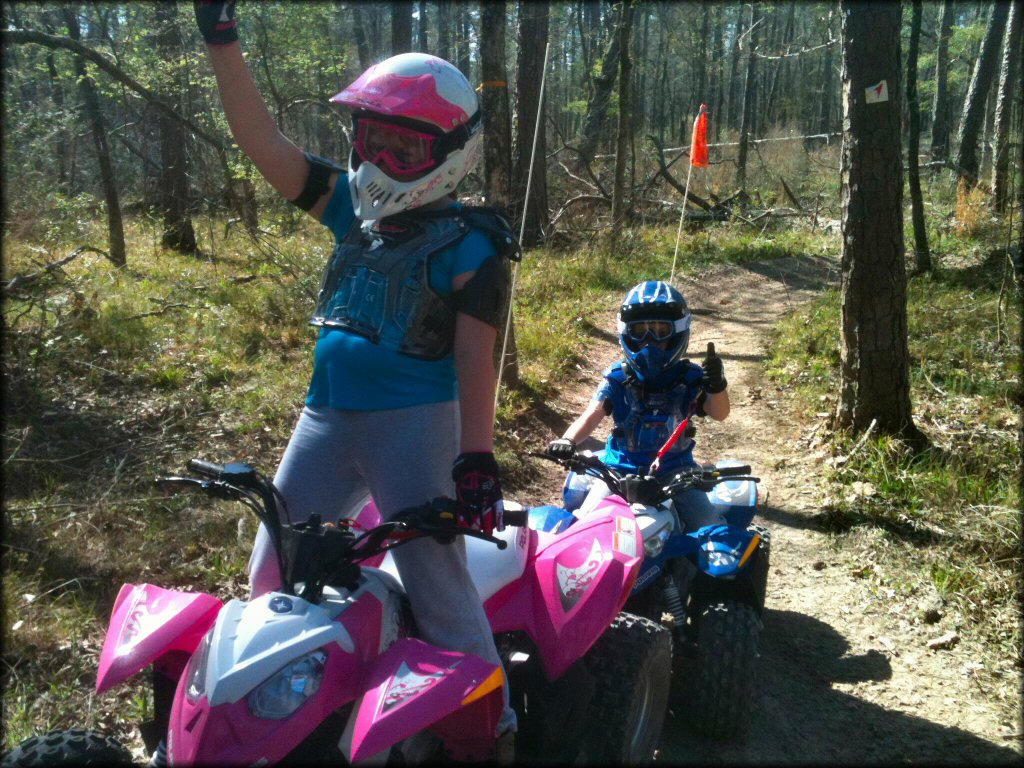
(278, 160)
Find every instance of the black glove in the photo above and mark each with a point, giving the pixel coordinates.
(478, 491)
(562, 448)
(216, 21)
(714, 372)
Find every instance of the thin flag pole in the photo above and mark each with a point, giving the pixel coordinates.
(698, 157)
(679, 232)
(522, 226)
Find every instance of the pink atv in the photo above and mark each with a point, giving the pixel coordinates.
(329, 668)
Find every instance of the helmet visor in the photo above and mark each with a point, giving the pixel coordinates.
(401, 152)
(659, 330)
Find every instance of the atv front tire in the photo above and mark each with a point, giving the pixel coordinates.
(75, 746)
(721, 683)
(632, 666)
(759, 577)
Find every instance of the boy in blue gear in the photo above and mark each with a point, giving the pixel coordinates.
(401, 402)
(651, 391)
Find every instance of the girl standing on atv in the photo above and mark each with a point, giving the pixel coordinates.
(653, 390)
(402, 393)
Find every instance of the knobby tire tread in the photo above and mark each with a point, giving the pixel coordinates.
(630, 648)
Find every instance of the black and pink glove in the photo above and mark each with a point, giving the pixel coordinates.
(216, 21)
(478, 491)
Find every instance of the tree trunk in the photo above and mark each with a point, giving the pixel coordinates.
(495, 105)
(715, 111)
(974, 105)
(61, 139)
(401, 26)
(922, 257)
(464, 31)
(1004, 106)
(875, 359)
(825, 104)
(497, 146)
(422, 37)
(115, 224)
(177, 225)
(940, 106)
(700, 95)
(597, 107)
(359, 27)
(749, 95)
(735, 115)
(622, 142)
(444, 38)
(533, 36)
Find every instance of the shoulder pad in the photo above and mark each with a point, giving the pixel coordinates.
(496, 227)
(615, 372)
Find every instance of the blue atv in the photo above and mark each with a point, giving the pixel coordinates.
(708, 585)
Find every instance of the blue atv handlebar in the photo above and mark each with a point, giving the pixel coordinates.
(646, 489)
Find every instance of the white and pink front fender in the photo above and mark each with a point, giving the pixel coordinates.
(414, 686)
(148, 622)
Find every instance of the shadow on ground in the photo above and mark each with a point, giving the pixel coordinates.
(805, 273)
(800, 718)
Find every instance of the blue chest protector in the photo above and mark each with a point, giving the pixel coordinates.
(377, 285)
(377, 281)
(645, 416)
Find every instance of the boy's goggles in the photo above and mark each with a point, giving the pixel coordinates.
(659, 330)
(398, 150)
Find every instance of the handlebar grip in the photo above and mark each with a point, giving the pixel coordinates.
(517, 517)
(729, 471)
(206, 468)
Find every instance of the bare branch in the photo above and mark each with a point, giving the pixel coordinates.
(19, 282)
(795, 54)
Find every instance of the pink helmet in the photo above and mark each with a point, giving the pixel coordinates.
(413, 90)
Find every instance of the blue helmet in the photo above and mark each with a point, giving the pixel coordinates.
(653, 312)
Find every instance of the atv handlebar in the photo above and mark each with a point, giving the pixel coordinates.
(239, 481)
(314, 553)
(647, 489)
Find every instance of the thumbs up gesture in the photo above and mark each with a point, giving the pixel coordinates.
(714, 372)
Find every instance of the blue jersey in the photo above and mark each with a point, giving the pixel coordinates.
(351, 372)
(644, 419)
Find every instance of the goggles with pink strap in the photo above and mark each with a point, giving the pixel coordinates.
(400, 151)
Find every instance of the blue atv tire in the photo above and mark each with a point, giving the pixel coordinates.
(75, 746)
(721, 683)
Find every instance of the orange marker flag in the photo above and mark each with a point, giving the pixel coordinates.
(699, 143)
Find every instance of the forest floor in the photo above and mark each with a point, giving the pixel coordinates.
(847, 674)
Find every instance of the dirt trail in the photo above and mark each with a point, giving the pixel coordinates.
(846, 675)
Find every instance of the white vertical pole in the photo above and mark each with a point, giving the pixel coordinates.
(522, 226)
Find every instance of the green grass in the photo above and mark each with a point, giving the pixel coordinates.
(953, 509)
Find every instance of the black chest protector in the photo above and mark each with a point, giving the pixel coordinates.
(377, 280)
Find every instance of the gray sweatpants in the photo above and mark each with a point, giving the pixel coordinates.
(403, 457)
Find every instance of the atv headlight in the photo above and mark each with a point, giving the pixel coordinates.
(197, 669)
(655, 544)
(279, 696)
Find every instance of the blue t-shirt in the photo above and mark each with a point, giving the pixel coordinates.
(643, 423)
(353, 373)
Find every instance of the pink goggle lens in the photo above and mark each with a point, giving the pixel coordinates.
(398, 150)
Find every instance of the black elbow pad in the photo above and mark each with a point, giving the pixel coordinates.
(485, 295)
(317, 182)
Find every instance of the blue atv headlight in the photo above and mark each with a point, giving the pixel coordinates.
(279, 696)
